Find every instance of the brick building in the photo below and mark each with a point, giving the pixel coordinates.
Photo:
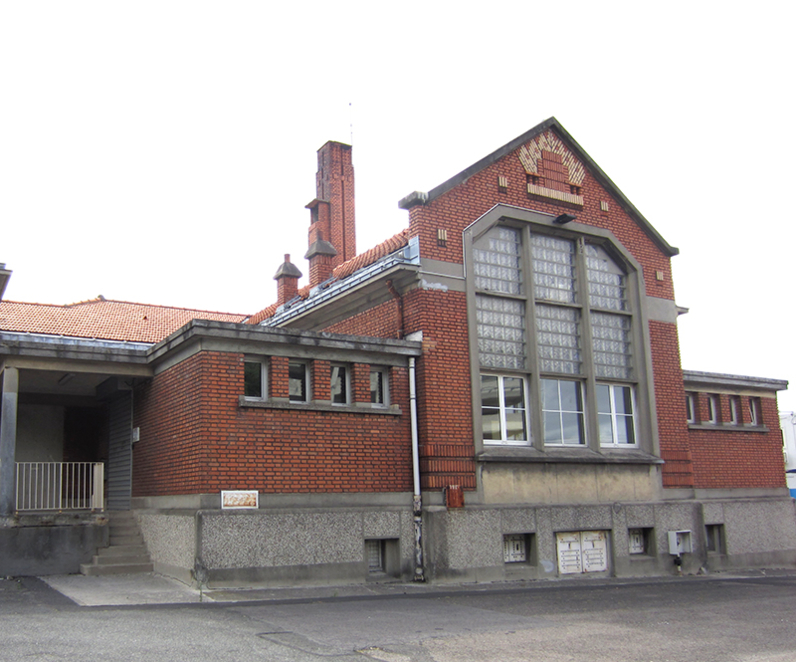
(500, 382)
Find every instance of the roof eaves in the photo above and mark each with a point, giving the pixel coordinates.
(695, 378)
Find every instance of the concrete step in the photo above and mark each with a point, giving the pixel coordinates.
(116, 541)
(92, 570)
(122, 550)
(121, 559)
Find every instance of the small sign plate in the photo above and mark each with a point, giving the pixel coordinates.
(240, 499)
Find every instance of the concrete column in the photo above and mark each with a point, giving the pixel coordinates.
(8, 440)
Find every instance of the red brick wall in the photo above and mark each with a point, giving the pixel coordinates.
(670, 400)
(196, 438)
(733, 457)
(382, 321)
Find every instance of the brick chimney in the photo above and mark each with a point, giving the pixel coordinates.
(332, 234)
(287, 281)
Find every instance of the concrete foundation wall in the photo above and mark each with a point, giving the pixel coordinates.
(49, 546)
(298, 545)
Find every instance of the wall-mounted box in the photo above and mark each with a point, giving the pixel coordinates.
(679, 542)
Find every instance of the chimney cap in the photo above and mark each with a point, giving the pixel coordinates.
(320, 247)
(287, 270)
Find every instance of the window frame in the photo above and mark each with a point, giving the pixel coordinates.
(617, 416)
(527, 222)
(735, 410)
(384, 378)
(755, 412)
(306, 379)
(346, 384)
(263, 365)
(504, 439)
(713, 409)
(690, 408)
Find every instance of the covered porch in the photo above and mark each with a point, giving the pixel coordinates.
(65, 447)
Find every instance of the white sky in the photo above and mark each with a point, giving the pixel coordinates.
(163, 152)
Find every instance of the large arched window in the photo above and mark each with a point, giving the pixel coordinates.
(559, 348)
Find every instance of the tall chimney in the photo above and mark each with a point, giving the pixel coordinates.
(286, 281)
(332, 234)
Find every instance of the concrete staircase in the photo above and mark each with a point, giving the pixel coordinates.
(126, 553)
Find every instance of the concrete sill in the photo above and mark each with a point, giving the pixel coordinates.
(567, 455)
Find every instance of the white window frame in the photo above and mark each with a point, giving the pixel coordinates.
(345, 382)
(307, 391)
(384, 377)
(502, 410)
(755, 411)
(616, 417)
(690, 407)
(560, 411)
(713, 409)
(263, 364)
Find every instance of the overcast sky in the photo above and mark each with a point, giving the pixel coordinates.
(163, 152)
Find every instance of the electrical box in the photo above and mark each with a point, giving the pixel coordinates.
(679, 542)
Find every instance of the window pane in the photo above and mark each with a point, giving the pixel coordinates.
(490, 397)
(570, 396)
(550, 399)
(552, 428)
(252, 379)
(515, 425)
(603, 399)
(572, 425)
(497, 261)
(553, 268)
(624, 400)
(339, 385)
(606, 429)
(297, 375)
(607, 281)
(611, 343)
(490, 423)
(501, 332)
(624, 430)
(513, 392)
(558, 339)
(377, 387)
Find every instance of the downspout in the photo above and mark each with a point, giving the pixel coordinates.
(417, 503)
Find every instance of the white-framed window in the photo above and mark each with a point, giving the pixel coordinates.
(379, 387)
(504, 411)
(562, 411)
(735, 410)
(615, 417)
(341, 385)
(690, 407)
(755, 415)
(255, 379)
(713, 409)
(298, 381)
(555, 309)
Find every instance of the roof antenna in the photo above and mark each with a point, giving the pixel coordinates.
(351, 122)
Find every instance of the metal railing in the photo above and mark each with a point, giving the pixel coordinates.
(60, 486)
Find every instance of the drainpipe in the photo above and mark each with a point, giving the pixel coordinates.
(417, 503)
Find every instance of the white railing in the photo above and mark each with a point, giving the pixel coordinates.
(60, 485)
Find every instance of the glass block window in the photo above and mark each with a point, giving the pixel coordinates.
(503, 409)
(607, 281)
(497, 261)
(612, 345)
(562, 410)
(553, 268)
(501, 332)
(558, 339)
(615, 415)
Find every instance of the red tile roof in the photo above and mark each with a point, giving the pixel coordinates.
(345, 269)
(103, 319)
